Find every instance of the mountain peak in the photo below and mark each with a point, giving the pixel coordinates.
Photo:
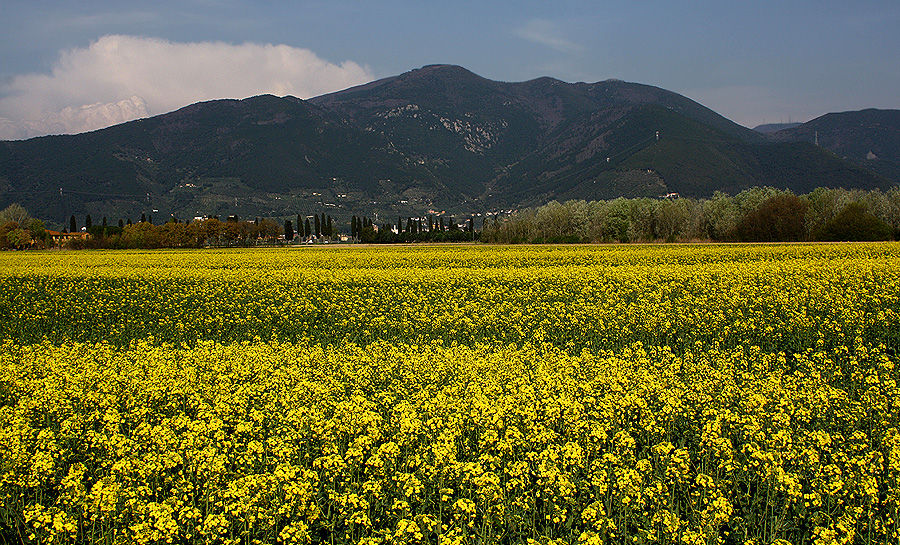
(448, 72)
(450, 68)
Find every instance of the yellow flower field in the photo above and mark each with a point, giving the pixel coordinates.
(452, 394)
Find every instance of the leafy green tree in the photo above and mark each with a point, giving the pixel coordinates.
(752, 198)
(824, 205)
(721, 215)
(855, 222)
(18, 238)
(893, 210)
(676, 219)
(37, 230)
(618, 221)
(5, 229)
(780, 218)
(368, 235)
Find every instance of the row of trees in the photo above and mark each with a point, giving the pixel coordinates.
(19, 230)
(428, 229)
(178, 234)
(754, 215)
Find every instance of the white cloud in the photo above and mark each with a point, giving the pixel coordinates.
(120, 78)
(547, 33)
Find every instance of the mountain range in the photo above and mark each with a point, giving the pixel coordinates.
(870, 138)
(436, 139)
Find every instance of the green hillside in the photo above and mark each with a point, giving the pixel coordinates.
(438, 138)
(870, 138)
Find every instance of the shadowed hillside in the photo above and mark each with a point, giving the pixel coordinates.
(439, 138)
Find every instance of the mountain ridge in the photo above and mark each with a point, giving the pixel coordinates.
(869, 137)
(437, 138)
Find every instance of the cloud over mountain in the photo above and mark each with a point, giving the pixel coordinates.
(119, 78)
(548, 34)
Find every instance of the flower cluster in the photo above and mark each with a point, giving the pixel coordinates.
(588, 395)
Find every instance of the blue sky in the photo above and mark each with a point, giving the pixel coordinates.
(70, 66)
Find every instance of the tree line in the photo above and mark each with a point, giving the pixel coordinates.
(419, 229)
(760, 214)
(19, 231)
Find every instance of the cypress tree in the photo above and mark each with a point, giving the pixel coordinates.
(299, 225)
(318, 225)
(122, 223)
(307, 231)
(442, 223)
(143, 218)
(129, 221)
(104, 221)
(87, 221)
(72, 226)
(288, 231)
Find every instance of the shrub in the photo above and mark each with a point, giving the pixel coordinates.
(855, 222)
